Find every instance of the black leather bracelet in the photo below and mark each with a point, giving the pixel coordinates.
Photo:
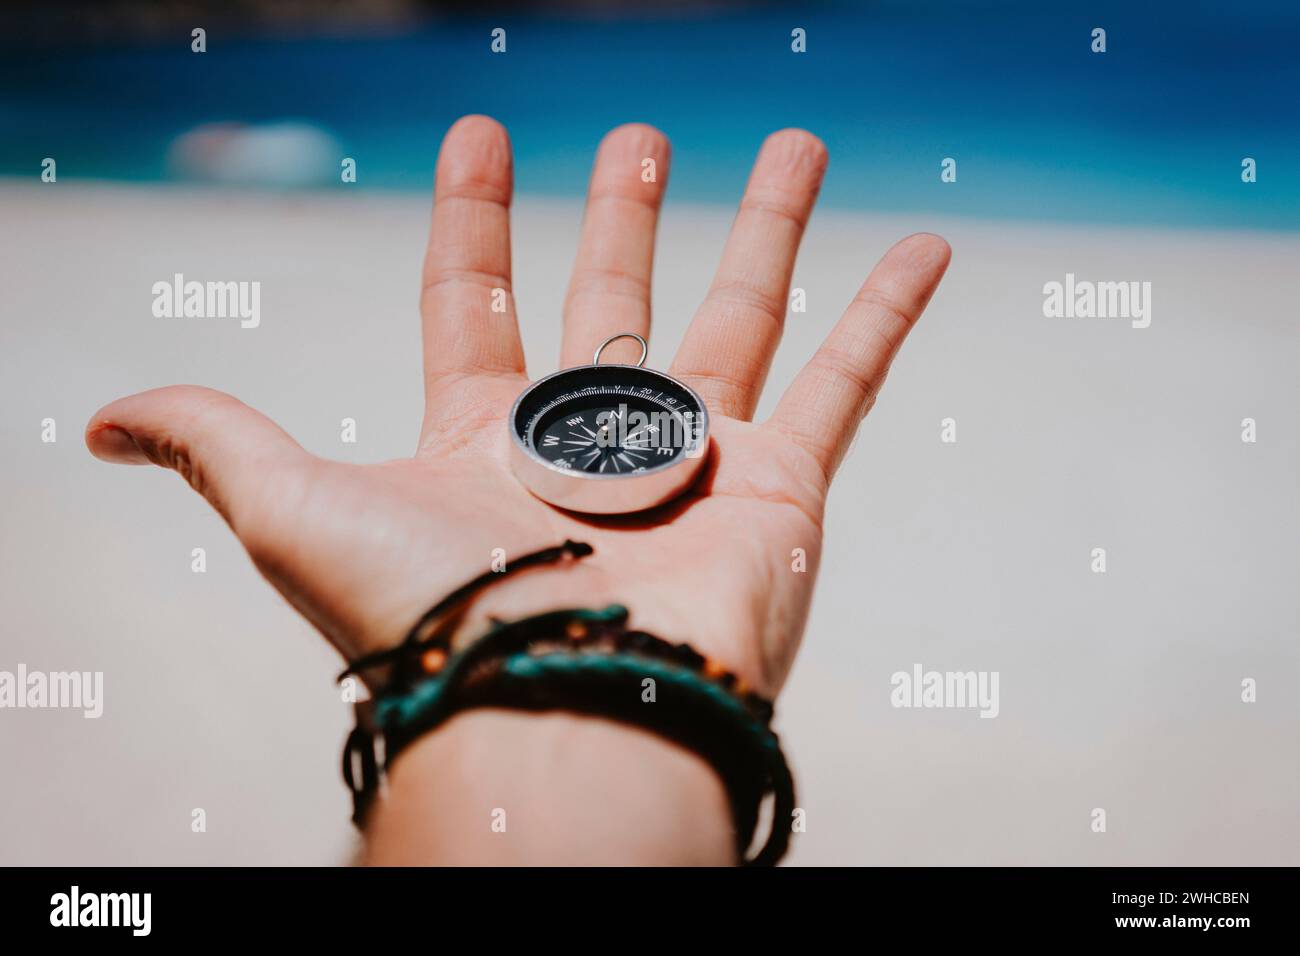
(583, 661)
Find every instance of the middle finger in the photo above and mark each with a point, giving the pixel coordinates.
(609, 291)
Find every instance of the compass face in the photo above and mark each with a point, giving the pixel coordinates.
(608, 422)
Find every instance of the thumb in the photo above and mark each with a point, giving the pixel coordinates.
(226, 451)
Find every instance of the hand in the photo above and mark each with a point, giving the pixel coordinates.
(362, 551)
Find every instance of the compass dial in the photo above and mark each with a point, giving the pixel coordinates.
(608, 422)
(610, 431)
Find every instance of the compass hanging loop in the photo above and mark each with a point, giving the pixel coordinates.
(645, 349)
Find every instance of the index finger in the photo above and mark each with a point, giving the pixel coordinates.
(467, 304)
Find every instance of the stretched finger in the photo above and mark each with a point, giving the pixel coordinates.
(730, 343)
(824, 405)
(225, 450)
(609, 291)
(467, 303)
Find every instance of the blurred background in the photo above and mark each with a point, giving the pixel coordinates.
(1119, 691)
(1043, 127)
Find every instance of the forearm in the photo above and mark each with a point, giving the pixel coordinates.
(498, 787)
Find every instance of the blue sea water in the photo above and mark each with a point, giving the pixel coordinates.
(1152, 131)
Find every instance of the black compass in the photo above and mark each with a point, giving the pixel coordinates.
(608, 439)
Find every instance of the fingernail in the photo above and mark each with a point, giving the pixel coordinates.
(116, 445)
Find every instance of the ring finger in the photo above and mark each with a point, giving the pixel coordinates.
(730, 343)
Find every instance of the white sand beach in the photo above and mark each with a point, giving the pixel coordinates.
(1119, 691)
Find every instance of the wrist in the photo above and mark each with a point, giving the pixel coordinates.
(723, 626)
(499, 787)
(503, 786)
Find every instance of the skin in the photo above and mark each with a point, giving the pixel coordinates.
(363, 550)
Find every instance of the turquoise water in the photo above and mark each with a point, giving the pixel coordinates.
(1152, 131)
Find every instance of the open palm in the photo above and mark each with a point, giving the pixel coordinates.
(363, 550)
